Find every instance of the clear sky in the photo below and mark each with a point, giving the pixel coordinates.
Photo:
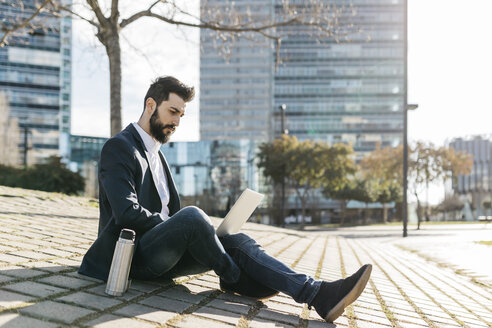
(449, 69)
(450, 72)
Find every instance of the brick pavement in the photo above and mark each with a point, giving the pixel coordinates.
(43, 237)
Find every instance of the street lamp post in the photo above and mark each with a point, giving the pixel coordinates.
(405, 164)
(284, 131)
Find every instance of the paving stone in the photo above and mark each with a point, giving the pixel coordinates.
(197, 289)
(229, 306)
(128, 295)
(14, 320)
(55, 252)
(5, 278)
(278, 316)
(194, 322)
(143, 286)
(21, 272)
(56, 311)
(49, 267)
(236, 298)
(34, 288)
(261, 323)
(181, 293)
(165, 303)
(12, 259)
(9, 299)
(287, 308)
(217, 314)
(77, 275)
(90, 301)
(31, 255)
(112, 321)
(67, 282)
(145, 312)
(323, 324)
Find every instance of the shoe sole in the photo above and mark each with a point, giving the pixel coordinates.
(351, 296)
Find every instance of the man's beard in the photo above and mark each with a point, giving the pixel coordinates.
(157, 129)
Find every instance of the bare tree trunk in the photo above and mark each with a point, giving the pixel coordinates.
(343, 204)
(110, 38)
(366, 214)
(385, 213)
(303, 214)
(114, 54)
(419, 210)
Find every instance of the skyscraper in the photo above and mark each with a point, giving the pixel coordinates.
(35, 76)
(236, 88)
(351, 91)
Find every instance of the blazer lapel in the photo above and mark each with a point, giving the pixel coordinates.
(174, 202)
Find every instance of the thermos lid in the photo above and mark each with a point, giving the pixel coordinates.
(127, 234)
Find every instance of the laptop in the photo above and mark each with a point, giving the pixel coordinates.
(240, 212)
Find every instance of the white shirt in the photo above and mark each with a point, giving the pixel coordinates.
(157, 169)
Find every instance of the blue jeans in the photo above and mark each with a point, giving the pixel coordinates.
(187, 244)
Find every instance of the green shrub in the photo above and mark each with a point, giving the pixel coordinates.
(50, 176)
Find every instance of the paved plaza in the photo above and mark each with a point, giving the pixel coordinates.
(437, 277)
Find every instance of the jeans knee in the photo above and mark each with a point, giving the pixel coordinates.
(196, 217)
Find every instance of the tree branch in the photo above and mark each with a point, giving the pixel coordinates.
(94, 4)
(7, 31)
(222, 28)
(115, 13)
(60, 7)
(138, 15)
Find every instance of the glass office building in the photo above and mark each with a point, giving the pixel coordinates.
(475, 188)
(350, 91)
(35, 76)
(236, 80)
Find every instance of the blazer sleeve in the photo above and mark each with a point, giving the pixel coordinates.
(117, 176)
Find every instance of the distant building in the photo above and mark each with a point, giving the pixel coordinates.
(35, 76)
(85, 152)
(212, 174)
(337, 92)
(350, 92)
(475, 188)
(236, 89)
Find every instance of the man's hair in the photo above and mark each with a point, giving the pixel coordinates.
(161, 87)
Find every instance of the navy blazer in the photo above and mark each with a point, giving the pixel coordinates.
(128, 198)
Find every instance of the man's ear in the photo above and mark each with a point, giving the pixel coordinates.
(150, 105)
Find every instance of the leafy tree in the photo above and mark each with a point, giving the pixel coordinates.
(305, 166)
(366, 191)
(450, 204)
(385, 167)
(427, 164)
(430, 163)
(348, 192)
(312, 18)
(388, 193)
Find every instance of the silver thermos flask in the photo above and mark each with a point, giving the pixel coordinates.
(120, 266)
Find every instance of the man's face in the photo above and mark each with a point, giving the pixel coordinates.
(166, 117)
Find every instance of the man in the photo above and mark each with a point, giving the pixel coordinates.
(137, 192)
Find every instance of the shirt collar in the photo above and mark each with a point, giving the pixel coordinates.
(151, 144)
